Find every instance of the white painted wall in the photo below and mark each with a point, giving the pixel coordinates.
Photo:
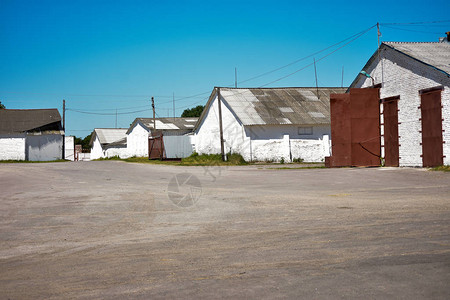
(137, 141)
(12, 147)
(259, 142)
(405, 77)
(120, 151)
(96, 149)
(69, 148)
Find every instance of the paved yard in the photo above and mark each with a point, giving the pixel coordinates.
(110, 229)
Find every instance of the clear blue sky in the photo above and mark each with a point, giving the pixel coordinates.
(105, 55)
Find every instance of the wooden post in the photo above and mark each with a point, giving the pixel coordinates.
(64, 130)
(154, 120)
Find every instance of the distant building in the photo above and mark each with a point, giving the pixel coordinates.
(141, 129)
(414, 82)
(108, 142)
(268, 124)
(30, 134)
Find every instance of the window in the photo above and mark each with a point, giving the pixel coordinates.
(305, 130)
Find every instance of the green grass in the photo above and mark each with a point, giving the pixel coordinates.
(193, 160)
(297, 168)
(442, 168)
(30, 162)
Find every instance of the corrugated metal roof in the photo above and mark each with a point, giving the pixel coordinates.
(168, 123)
(111, 135)
(300, 106)
(21, 120)
(435, 54)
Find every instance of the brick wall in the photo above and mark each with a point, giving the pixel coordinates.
(12, 147)
(405, 77)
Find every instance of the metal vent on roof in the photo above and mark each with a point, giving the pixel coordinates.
(286, 109)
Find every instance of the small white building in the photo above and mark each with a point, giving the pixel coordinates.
(409, 74)
(267, 124)
(141, 128)
(108, 142)
(30, 134)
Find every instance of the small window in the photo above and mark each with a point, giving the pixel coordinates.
(305, 130)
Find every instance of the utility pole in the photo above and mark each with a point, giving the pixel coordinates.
(154, 120)
(342, 80)
(317, 84)
(116, 117)
(222, 150)
(235, 77)
(382, 67)
(173, 95)
(64, 130)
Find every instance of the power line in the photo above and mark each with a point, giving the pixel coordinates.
(417, 23)
(106, 114)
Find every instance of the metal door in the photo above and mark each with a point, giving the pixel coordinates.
(432, 149)
(391, 145)
(365, 127)
(156, 147)
(340, 130)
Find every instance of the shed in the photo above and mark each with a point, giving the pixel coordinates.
(30, 134)
(141, 129)
(108, 142)
(414, 82)
(268, 124)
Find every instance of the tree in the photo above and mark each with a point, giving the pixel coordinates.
(2, 106)
(83, 142)
(193, 112)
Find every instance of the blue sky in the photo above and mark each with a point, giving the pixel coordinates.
(105, 55)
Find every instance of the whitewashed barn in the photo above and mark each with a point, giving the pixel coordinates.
(30, 134)
(410, 76)
(141, 128)
(267, 124)
(108, 142)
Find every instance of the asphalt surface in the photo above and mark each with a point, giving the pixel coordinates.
(113, 230)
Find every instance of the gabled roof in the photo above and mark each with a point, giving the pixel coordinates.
(264, 106)
(185, 124)
(23, 120)
(109, 135)
(434, 54)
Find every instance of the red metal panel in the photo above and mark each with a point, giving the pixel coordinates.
(340, 130)
(365, 127)
(390, 115)
(156, 148)
(432, 129)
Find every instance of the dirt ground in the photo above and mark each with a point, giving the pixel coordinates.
(109, 229)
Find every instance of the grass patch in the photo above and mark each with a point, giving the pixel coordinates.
(30, 162)
(193, 160)
(213, 160)
(297, 168)
(442, 168)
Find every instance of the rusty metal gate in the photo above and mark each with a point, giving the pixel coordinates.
(340, 130)
(355, 128)
(391, 144)
(431, 109)
(156, 147)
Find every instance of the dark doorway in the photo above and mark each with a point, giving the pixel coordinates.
(432, 150)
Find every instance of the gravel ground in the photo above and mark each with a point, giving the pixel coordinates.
(109, 229)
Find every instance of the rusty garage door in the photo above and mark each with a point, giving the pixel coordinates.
(431, 109)
(391, 144)
(355, 128)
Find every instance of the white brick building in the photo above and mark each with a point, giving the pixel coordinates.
(140, 130)
(407, 71)
(267, 124)
(108, 142)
